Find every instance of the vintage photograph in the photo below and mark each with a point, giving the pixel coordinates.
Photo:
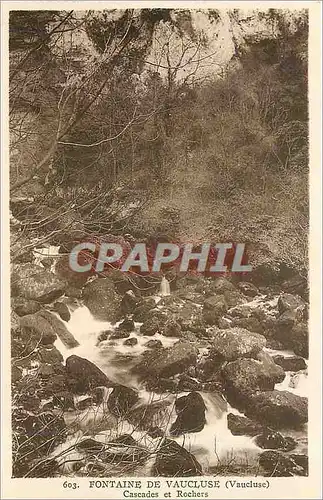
(159, 231)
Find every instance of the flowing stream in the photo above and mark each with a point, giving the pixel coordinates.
(212, 446)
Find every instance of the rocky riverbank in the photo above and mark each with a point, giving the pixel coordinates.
(111, 380)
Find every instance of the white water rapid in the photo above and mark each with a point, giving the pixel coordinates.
(164, 287)
(213, 446)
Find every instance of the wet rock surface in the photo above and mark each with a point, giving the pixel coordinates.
(172, 460)
(122, 450)
(214, 307)
(245, 376)
(131, 342)
(234, 343)
(167, 362)
(190, 411)
(207, 342)
(36, 283)
(121, 400)
(289, 302)
(102, 299)
(44, 328)
(290, 363)
(24, 306)
(62, 310)
(280, 409)
(243, 426)
(141, 308)
(154, 344)
(277, 464)
(275, 441)
(84, 375)
(151, 326)
(38, 329)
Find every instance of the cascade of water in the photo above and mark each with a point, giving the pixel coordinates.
(295, 382)
(214, 445)
(164, 287)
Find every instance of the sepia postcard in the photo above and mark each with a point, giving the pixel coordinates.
(161, 250)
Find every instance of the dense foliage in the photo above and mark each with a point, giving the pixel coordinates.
(227, 154)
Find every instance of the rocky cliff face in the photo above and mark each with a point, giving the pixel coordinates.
(185, 44)
(180, 44)
(200, 43)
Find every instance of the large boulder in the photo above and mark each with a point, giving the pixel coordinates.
(36, 329)
(288, 302)
(275, 441)
(119, 334)
(189, 383)
(23, 306)
(63, 269)
(234, 343)
(47, 327)
(290, 363)
(297, 285)
(194, 324)
(121, 400)
(172, 460)
(102, 299)
(209, 369)
(127, 325)
(164, 363)
(60, 329)
(83, 375)
(279, 409)
(276, 464)
(140, 309)
(234, 298)
(265, 273)
(244, 376)
(213, 308)
(288, 319)
(129, 302)
(36, 283)
(122, 281)
(218, 286)
(62, 310)
(190, 411)
(185, 309)
(243, 426)
(151, 326)
(241, 311)
(50, 354)
(292, 333)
